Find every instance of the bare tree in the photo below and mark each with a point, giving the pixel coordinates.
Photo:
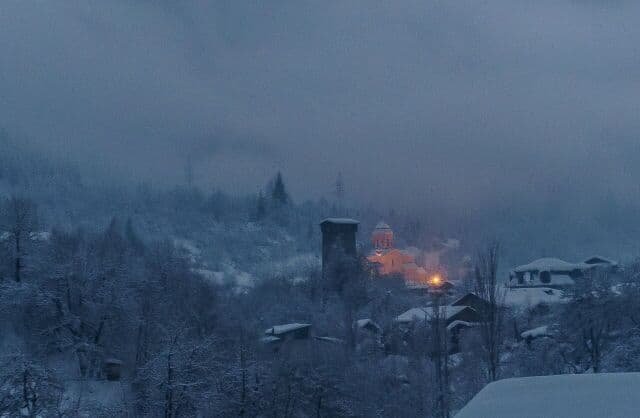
(589, 320)
(19, 220)
(440, 356)
(488, 288)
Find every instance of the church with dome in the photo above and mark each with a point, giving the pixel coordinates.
(390, 261)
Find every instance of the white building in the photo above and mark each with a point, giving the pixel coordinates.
(548, 272)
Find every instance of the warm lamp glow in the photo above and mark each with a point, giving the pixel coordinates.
(435, 280)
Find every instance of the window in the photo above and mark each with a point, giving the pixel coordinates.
(545, 277)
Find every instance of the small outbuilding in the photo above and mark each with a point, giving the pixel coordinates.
(293, 331)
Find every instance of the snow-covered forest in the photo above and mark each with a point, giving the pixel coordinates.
(295, 209)
(122, 300)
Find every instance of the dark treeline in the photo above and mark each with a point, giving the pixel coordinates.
(176, 287)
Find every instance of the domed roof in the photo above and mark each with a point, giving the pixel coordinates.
(382, 226)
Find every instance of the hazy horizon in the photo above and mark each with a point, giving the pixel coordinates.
(462, 104)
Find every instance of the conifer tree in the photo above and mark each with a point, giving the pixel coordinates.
(279, 193)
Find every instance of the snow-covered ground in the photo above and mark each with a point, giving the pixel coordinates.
(531, 297)
(610, 395)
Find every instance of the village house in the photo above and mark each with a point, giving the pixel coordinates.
(547, 272)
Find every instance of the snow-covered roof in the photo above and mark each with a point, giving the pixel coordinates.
(596, 259)
(382, 226)
(283, 329)
(536, 332)
(611, 395)
(551, 264)
(346, 221)
(421, 314)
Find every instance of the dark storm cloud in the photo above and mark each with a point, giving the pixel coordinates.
(412, 100)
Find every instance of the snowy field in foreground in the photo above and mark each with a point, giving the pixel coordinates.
(610, 395)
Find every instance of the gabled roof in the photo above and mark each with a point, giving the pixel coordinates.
(343, 221)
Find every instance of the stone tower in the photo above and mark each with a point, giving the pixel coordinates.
(338, 240)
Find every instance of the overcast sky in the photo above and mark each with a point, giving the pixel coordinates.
(459, 101)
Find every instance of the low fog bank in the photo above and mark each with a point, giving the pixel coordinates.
(566, 226)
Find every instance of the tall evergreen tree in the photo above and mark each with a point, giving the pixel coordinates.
(279, 193)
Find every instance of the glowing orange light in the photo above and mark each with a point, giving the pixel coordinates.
(435, 280)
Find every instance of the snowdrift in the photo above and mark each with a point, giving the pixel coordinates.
(611, 395)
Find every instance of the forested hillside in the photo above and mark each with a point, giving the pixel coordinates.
(135, 300)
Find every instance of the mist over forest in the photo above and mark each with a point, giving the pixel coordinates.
(295, 209)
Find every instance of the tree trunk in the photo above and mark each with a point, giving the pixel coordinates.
(168, 408)
(18, 259)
